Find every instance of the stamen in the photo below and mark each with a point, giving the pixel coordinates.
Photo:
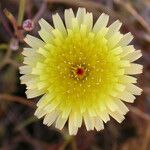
(79, 71)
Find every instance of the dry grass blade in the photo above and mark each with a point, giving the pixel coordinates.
(17, 99)
(91, 5)
(146, 138)
(40, 12)
(133, 12)
(139, 113)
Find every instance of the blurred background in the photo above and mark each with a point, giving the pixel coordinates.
(19, 129)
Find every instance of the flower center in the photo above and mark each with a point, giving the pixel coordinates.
(79, 72)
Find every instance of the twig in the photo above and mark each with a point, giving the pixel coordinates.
(146, 89)
(146, 138)
(67, 141)
(3, 46)
(87, 4)
(139, 113)
(17, 99)
(29, 6)
(5, 24)
(26, 122)
(96, 8)
(21, 12)
(73, 144)
(36, 143)
(133, 12)
(146, 2)
(6, 58)
(12, 19)
(13, 63)
(40, 12)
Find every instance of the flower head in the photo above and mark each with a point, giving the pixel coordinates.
(82, 70)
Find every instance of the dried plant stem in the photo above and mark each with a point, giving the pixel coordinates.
(65, 144)
(73, 144)
(3, 46)
(21, 12)
(146, 89)
(26, 122)
(98, 7)
(6, 58)
(12, 19)
(40, 12)
(139, 113)
(5, 23)
(69, 140)
(146, 138)
(91, 5)
(13, 63)
(17, 99)
(134, 13)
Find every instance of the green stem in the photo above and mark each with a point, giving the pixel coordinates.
(3, 46)
(21, 11)
(69, 140)
(73, 144)
(65, 144)
(26, 122)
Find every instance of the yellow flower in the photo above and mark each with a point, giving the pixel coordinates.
(82, 70)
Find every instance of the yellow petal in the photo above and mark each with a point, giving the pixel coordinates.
(28, 52)
(113, 40)
(34, 42)
(133, 89)
(127, 50)
(134, 69)
(101, 22)
(111, 104)
(113, 28)
(69, 15)
(81, 12)
(50, 118)
(26, 78)
(60, 122)
(127, 97)
(122, 107)
(89, 121)
(39, 113)
(133, 56)
(45, 100)
(118, 117)
(127, 79)
(104, 116)
(98, 123)
(45, 26)
(126, 39)
(72, 128)
(88, 21)
(25, 69)
(31, 93)
(58, 23)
